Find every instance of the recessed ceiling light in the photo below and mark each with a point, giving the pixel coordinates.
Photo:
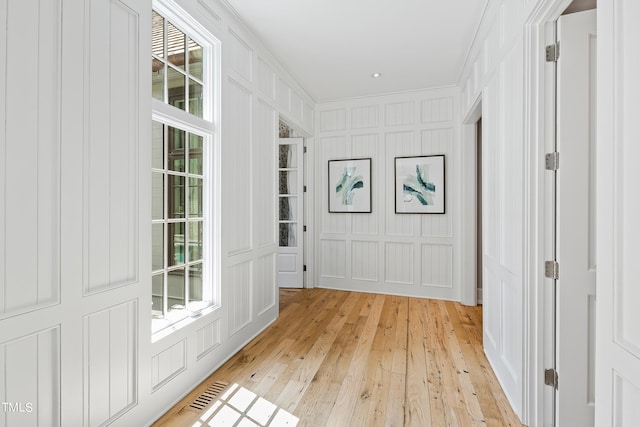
(376, 75)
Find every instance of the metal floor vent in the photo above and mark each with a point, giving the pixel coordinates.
(208, 396)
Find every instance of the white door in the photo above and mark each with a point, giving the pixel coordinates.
(290, 213)
(618, 154)
(576, 220)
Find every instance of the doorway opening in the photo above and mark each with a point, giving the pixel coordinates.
(290, 228)
(479, 211)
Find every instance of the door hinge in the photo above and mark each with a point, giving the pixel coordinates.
(552, 161)
(304, 268)
(304, 228)
(304, 189)
(551, 378)
(304, 150)
(552, 270)
(552, 52)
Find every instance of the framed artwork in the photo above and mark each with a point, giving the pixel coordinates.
(419, 184)
(349, 185)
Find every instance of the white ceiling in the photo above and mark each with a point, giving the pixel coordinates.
(333, 46)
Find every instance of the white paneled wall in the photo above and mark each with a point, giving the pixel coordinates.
(29, 158)
(495, 73)
(75, 200)
(110, 363)
(383, 251)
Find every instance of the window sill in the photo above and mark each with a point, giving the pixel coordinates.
(178, 319)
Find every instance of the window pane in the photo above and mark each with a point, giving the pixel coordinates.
(288, 182)
(157, 293)
(195, 154)
(176, 195)
(157, 195)
(287, 209)
(157, 246)
(157, 149)
(175, 289)
(195, 241)
(195, 98)
(195, 59)
(288, 235)
(195, 197)
(176, 149)
(195, 283)
(287, 158)
(175, 45)
(175, 244)
(176, 84)
(157, 79)
(157, 34)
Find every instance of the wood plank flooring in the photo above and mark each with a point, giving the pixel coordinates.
(337, 358)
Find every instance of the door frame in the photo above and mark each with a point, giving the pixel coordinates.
(308, 277)
(539, 129)
(469, 226)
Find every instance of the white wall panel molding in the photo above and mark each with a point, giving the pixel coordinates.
(383, 249)
(30, 155)
(364, 260)
(365, 117)
(400, 113)
(399, 263)
(240, 296)
(214, 18)
(437, 110)
(333, 120)
(238, 168)
(265, 286)
(333, 261)
(264, 182)
(168, 364)
(111, 208)
(240, 56)
(208, 338)
(110, 362)
(266, 79)
(436, 265)
(30, 378)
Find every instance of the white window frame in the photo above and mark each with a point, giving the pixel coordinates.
(209, 127)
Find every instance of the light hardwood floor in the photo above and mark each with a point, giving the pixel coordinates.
(337, 358)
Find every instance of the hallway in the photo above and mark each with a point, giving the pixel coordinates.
(353, 359)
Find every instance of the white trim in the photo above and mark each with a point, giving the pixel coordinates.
(208, 126)
(469, 227)
(537, 126)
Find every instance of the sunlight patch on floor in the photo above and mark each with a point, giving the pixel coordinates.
(239, 407)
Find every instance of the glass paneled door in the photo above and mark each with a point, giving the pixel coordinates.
(290, 213)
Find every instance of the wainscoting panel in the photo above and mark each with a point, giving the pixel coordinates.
(240, 298)
(240, 56)
(167, 364)
(381, 251)
(264, 283)
(110, 363)
(30, 155)
(400, 113)
(207, 338)
(238, 170)
(364, 260)
(334, 262)
(264, 147)
(111, 156)
(30, 378)
(436, 265)
(399, 263)
(266, 79)
(333, 120)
